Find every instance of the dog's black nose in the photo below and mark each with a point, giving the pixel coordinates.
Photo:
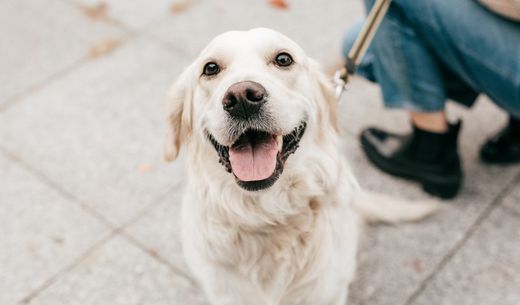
(244, 99)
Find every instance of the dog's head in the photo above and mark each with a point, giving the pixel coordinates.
(250, 98)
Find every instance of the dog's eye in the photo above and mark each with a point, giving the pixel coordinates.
(211, 68)
(283, 60)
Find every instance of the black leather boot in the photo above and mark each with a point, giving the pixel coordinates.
(503, 148)
(431, 159)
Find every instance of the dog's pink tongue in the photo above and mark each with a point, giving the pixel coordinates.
(254, 162)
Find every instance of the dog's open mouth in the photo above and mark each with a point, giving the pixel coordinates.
(257, 158)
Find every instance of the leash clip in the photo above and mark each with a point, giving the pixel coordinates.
(340, 82)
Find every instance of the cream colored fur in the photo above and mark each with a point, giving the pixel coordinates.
(294, 243)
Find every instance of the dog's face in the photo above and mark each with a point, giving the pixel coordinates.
(250, 97)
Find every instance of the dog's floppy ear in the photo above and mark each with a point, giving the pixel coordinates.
(179, 115)
(326, 98)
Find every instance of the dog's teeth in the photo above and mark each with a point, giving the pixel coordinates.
(279, 142)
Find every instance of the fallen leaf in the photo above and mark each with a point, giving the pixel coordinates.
(153, 253)
(104, 47)
(279, 4)
(58, 240)
(180, 6)
(146, 168)
(96, 12)
(418, 266)
(15, 157)
(91, 259)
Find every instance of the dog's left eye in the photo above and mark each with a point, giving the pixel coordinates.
(283, 60)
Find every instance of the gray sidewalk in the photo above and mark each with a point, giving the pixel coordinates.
(89, 212)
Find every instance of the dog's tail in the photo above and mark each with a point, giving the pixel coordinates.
(375, 208)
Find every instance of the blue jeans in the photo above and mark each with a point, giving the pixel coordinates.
(427, 51)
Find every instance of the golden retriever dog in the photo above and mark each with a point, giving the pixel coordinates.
(271, 206)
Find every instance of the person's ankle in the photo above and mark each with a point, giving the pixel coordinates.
(434, 122)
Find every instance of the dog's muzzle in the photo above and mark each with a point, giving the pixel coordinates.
(257, 157)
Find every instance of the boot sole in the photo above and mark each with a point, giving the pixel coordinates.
(445, 187)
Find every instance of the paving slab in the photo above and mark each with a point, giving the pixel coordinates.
(41, 232)
(486, 269)
(120, 273)
(193, 28)
(42, 39)
(99, 131)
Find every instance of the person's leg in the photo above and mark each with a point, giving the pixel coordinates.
(418, 64)
(477, 45)
(456, 89)
(431, 121)
(412, 79)
(456, 47)
(409, 76)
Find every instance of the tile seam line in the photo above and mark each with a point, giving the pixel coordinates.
(54, 77)
(495, 203)
(56, 276)
(147, 210)
(38, 86)
(58, 75)
(172, 268)
(41, 177)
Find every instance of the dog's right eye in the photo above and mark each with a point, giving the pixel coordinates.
(210, 69)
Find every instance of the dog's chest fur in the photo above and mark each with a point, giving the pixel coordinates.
(275, 255)
(287, 247)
